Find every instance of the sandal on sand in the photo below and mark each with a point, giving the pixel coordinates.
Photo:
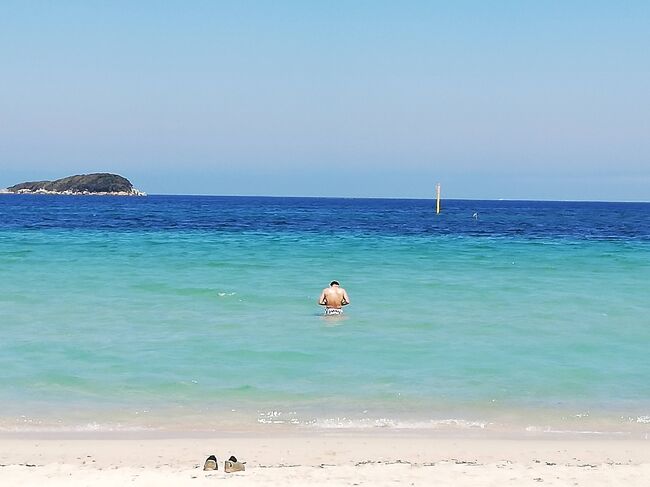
(211, 463)
(232, 465)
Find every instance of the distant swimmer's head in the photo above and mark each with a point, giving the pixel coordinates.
(334, 283)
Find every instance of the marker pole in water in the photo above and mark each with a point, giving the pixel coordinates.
(437, 198)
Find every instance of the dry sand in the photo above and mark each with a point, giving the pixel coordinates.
(327, 459)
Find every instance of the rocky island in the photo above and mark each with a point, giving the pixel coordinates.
(83, 184)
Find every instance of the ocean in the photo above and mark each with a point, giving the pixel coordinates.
(193, 313)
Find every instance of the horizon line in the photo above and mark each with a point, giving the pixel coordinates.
(432, 198)
(398, 198)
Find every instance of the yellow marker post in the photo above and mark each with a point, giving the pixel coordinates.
(437, 198)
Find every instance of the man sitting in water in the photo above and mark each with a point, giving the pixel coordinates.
(334, 298)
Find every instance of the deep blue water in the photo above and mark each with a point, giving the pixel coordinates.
(522, 219)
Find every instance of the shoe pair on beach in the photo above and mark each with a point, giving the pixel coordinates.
(229, 466)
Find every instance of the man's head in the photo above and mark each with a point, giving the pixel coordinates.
(334, 283)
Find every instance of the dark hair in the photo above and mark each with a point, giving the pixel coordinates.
(334, 283)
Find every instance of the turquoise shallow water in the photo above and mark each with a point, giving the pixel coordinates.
(136, 326)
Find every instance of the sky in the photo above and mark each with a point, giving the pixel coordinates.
(503, 99)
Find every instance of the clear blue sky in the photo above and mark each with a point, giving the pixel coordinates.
(494, 99)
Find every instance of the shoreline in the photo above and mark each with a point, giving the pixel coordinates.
(377, 458)
(135, 192)
(230, 427)
(150, 421)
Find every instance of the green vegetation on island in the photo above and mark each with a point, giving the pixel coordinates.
(83, 184)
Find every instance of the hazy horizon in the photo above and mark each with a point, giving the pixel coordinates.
(515, 100)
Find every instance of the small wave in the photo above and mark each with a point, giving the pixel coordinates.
(15, 253)
(347, 423)
(549, 430)
(277, 417)
(163, 288)
(29, 426)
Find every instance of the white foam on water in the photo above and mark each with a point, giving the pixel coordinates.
(366, 423)
(549, 430)
(345, 422)
(35, 427)
(277, 417)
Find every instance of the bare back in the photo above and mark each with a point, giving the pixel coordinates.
(334, 297)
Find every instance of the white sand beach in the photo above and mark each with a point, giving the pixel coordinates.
(325, 459)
